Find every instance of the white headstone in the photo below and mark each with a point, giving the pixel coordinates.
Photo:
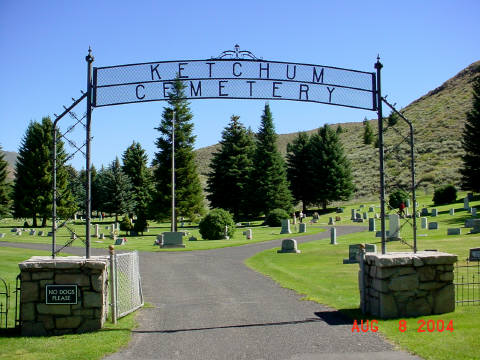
(75, 217)
(394, 226)
(424, 222)
(285, 226)
(248, 234)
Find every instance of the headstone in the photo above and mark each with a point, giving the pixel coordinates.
(466, 204)
(333, 236)
(107, 227)
(474, 254)
(362, 206)
(13, 230)
(331, 221)
(120, 241)
(365, 216)
(133, 233)
(289, 246)
(407, 204)
(433, 226)
(434, 212)
(97, 233)
(424, 212)
(173, 239)
(354, 249)
(338, 218)
(159, 240)
(469, 223)
(453, 231)
(248, 234)
(302, 228)
(74, 217)
(2, 235)
(371, 224)
(371, 209)
(379, 234)
(407, 214)
(314, 221)
(32, 232)
(360, 220)
(424, 222)
(340, 210)
(377, 216)
(452, 211)
(225, 233)
(394, 226)
(285, 226)
(476, 227)
(49, 233)
(73, 236)
(102, 236)
(41, 233)
(18, 233)
(316, 216)
(354, 214)
(474, 211)
(192, 238)
(358, 216)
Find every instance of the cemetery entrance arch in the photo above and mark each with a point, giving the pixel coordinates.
(234, 74)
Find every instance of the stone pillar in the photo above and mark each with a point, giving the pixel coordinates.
(333, 236)
(42, 316)
(97, 231)
(399, 285)
(354, 214)
(394, 226)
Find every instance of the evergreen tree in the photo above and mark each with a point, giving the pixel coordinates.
(33, 181)
(231, 167)
(4, 187)
(299, 170)
(99, 197)
(339, 129)
(118, 190)
(471, 143)
(368, 136)
(332, 180)
(188, 190)
(135, 167)
(269, 180)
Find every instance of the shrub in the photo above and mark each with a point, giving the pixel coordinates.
(396, 198)
(446, 194)
(141, 224)
(212, 226)
(275, 216)
(126, 224)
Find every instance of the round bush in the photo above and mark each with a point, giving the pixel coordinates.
(396, 198)
(275, 216)
(446, 194)
(212, 226)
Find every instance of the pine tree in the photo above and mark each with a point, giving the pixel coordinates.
(135, 167)
(332, 180)
(188, 190)
(231, 167)
(33, 181)
(118, 190)
(4, 187)
(298, 169)
(471, 143)
(269, 180)
(368, 136)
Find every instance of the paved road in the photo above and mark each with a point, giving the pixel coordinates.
(209, 305)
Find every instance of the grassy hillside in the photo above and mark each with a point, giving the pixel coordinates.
(438, 119)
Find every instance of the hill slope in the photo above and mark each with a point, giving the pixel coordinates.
(438, 118)
(11, 158)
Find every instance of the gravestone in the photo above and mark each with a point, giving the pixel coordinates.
(469, 223)
(379, 234)
(316, 216)
(41, 233)
(434, 212)
(407, 214)
(120, 241)
(248, 234)
(424, 222)
(18, 233)
(354, 214)
(365, 216)
(173, 240)
(289, 246)
(102, 236)
(452, 212)
(476, 227)
(97, 231)
(453, 231)
(159, 240)
(424, 212)
(407, 204)
(331, 221)
(182, 222)
(13, 230)
(474, 254)
(302, 228)
(107, 227)
(371, 224)
(394, 226)
(433, 226)
(32, 232)
(285, 227)
(294, 222)
(474, 211)
(333, 236)
(358, 216)
(340, 210)
(74, 217)
(192, 238)
(338, 218)
(360, 220)
(73, 236)
(49, 233)
(470, 196)
(2, 235)
(362, 206)
(353, 251)
(466, 204)
(371, 209)
(314, 221)
(377, 216)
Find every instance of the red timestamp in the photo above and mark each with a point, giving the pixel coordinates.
(428, 326)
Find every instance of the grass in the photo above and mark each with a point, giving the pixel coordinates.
(319, 274)
(87, 346)
(145, 242)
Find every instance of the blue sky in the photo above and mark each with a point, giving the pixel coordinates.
(43, 46)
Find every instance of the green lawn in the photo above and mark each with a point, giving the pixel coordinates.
(319, 274)
(85, 346)
(145, 242)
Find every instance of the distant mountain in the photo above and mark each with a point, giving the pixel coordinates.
(11, 158)
(438, 118)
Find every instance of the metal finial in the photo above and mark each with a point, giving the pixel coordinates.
(378, 57)
(89, 57)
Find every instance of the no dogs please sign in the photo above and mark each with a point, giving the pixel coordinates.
(61, 294)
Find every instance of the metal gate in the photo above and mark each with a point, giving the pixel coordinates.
(467, 283)
(126, 286)
(6, 307)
